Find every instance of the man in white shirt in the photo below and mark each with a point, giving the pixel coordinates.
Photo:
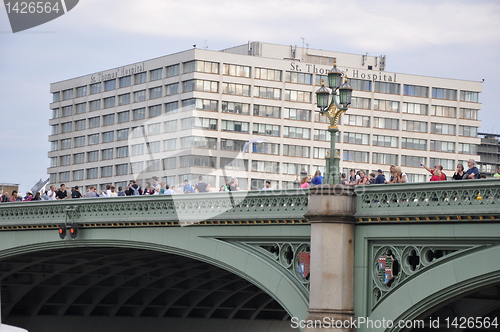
(52, 193)
(156, 185)
(268, 186)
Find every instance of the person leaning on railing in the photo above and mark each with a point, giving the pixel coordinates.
(472, 172)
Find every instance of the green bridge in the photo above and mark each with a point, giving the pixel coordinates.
(402, 257)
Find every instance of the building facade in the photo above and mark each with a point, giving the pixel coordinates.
(489, 152)
(249, 112)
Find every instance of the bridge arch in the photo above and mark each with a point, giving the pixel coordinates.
(216, 247)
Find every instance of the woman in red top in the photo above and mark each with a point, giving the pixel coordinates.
(436, 176)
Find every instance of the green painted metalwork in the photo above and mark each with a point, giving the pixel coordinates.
(447, 198)
(185, 209)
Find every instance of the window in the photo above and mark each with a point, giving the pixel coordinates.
(322, 135)
(386, 123)
(93, 139)
(468, 113)
(415, 108)
(172, 89)
(204, 123)
(234, 164)
(269, 111)
(123, 116)
(152, 165)
(462, 131)
(125, 81)
(109, 102)
(442, 146)
(79, 141)
(95, 105)
(441, 128)
(140, 78)
(320, 153)
(418, 126)
(155, 92)
(445, 111)
(170, 144)
(268, 74)
(154, 111)
(296, 151)
(231, 144)
(108, 136)
(81, 91)
(54, 145)
(173, 70)
(154, 129)
(170, 126)
(415, 90)
(358, 102)
(467, 148)
(236, 70)
(236, 126)
(201, 66)
(386, 105)
(121, 169)
(79, 158)
(110, 85)
(266, 148)
(56, 97)
(413, 143)
(54, 129)
(108, 119)
(289, 168)
(94, 122)
(411, 161)
(266, 92)
(95, 88)
(297, 114)
(67, 94)
(156, 74)
(139, 96)
(171, 107)
(169, 163)
(356, 156)
(67, 110)
(122, 152)
(384, 87)
(381, 140)
(236, 89)
(295, 77)
(137, 149)
(122, 134)
(80, 108)
(106, 171)
(200, 85)
(138, 114)
(55, 113)
(153, 147)
(198, 142)
(107, 154)
(265, 166)
(80, 125)
(65, 160)
(138, 132)
(361, 85)
(266, 129)
(92, 173)
(78, 175)
(441, 93)
(66, 127)
(201, 161)
(356, 120)
(124, 99)
(467, 96)
(296, 132)
(384, 158)
(446, 163)
(92, 156)
(298, 96)
(356, 138)
(64, 177)
(66, 144)
(201, 104)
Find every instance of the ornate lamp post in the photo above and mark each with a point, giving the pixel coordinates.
(341, 99)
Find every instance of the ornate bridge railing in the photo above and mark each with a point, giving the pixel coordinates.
(430, 201)
(251, 207)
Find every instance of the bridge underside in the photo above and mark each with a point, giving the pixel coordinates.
(124, 289)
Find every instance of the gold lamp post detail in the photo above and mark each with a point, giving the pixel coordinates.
(341, 95)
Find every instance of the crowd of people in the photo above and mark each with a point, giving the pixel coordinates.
(162, 188)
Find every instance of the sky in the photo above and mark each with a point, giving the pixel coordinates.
(451, 39)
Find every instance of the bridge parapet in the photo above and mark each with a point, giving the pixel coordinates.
(254, 206)
(429, 201)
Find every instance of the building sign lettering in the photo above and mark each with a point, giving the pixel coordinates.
(124, 71)
(351, 73)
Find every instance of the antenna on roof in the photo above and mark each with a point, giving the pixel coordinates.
(206, 46)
